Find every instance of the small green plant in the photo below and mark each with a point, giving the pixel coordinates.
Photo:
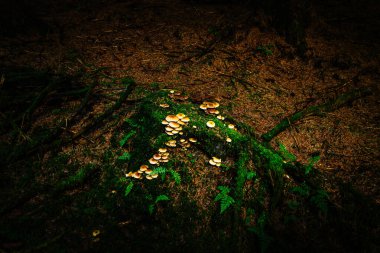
(265, 49)
(159, 198)
(125, 156)
(126, 138)
(128, 189)
(225, 200)
(176, 176)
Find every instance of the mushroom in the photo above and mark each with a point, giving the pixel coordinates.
(169, 133)
(171, 118)
(148, 171)
(149, 177)
(168, 128)
(172, 91)
(210, 124)
(156, 156)
(220, 117)
(129, 174)
(165, 160)
(215, 161)
(143, 167)
(153, 161)
(193, 140)
(185, 119)
(228, 139)
(136, 175)
(164, 122)
(181, 115)
(164, 105)
(155, 175)
(162, 150)
(203, 106)
(231, 126)
(174, 124)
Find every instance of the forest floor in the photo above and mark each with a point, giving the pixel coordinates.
(211, 52)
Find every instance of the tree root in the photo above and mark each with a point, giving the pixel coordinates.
(331, 105)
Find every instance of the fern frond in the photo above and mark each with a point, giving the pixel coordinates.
(128, 189)
(225, 203)
(162, 197)
(176, 176)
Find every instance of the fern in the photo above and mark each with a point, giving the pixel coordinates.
(162, 197)
(128, 189)
(159, 170)
(159, 198)
(225, 200)
(125, 156)
(126, 138)
(176, 176)
(285, 153)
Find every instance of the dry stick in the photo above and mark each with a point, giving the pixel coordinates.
(331, 105)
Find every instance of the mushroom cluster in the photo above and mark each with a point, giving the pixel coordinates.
(210, 107)
(171, 143)
(173, 123)
(144, 169)
(215, 161)
(177, 95)
(161, 157)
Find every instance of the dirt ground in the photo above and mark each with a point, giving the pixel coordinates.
(227, 53)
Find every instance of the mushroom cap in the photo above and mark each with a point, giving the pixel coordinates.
(143, 167)
(212, 104)
(136, 175)
(181, 122)
(162, 150)
(175, 132)
(174, 124)
(156, 156)
(228, 139)
(155, 175)
(216, 159)
(231, 126)
(219, 117)
(165, 160)
(171, 118)
(203, 106)
(180, 133)
(164, 105)
(193, 140)
(172, 91)
(181, 115)
(168, 128)
(178, 129)
(218, 164)
(211, 162)
(212, 110)
(149, 177)
(164, 122)
(169, 133)
(210, 123)
(185, 119)
(153, 161)
(182, 140)
(164, 157)
(129, 174)
(148, 171)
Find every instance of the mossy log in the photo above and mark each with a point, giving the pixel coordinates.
(331, 105)
(249, 160)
